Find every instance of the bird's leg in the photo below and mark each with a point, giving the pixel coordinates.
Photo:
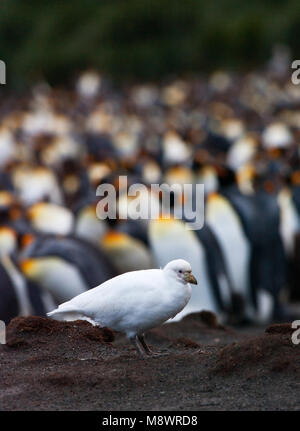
(141, 339)
(149, 352)
(135, 341)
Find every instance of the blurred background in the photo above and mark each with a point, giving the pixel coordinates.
(141, 39)
(163, 92)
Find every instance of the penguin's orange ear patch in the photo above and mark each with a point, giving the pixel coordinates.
(27, 266)
(213, 196)
(165, 217)
(35, 210)
(295, 178)
(27, 239)
(113, 237)
(6, 230)
(6, 199)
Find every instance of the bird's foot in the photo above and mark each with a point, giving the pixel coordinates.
(157, 354)
(140, 350)
(199, 351)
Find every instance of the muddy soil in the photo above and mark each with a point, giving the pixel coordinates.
(49, 365)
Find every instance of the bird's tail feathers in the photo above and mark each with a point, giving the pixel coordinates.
(69, 315)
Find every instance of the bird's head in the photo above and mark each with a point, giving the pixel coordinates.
(182, 270)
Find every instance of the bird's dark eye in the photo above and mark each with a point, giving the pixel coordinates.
(180, 271)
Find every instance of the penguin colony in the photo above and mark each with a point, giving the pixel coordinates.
(239, 136)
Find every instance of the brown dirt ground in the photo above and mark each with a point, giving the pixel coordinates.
(49, 365)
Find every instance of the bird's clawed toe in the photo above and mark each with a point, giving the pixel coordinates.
(143, 349)
(157, 354)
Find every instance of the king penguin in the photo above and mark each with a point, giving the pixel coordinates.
(65, 266)
(169, 239)
(227, 227)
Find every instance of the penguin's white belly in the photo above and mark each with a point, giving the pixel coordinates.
(234, 244)
(180, 243)
(64, 282)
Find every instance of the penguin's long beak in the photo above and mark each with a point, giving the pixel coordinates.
(190, 278)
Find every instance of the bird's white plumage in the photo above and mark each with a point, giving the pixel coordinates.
(132, 302)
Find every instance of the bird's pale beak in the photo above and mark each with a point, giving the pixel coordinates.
(190, 278)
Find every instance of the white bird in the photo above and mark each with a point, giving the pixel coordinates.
(133, 302)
